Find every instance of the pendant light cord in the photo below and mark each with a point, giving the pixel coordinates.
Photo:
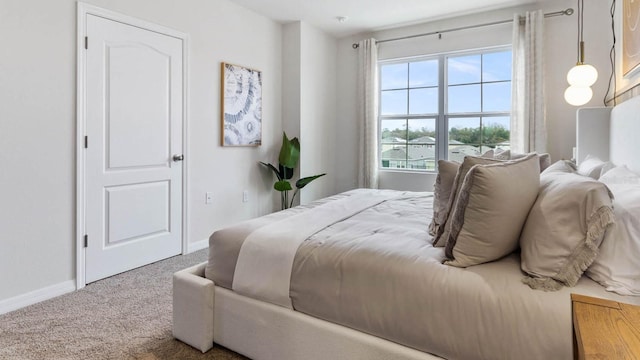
(612, 58)
(580, 33)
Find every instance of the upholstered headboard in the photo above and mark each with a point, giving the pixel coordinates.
(611, 134)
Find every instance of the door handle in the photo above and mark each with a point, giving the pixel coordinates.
(177, 158)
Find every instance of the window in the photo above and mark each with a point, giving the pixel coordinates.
(468, 94)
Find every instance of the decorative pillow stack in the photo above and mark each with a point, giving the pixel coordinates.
(565, 227)
(491, 207)
(617, 267)
(487, 208)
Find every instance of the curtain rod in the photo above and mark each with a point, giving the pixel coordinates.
(567, 12)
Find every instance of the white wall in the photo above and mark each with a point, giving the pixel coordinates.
(318, 112)
(560, 46)
(37, 126)
(309, 104)
(291, 82)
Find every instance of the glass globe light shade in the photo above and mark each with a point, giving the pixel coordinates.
(582, 75)
(578, 95)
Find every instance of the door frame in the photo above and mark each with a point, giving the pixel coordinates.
(85, 9)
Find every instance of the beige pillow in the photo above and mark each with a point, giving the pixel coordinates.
(467, 163)
(441, 192)
(545, 159)
(488, 154)
(563, 166)
(491, 209)
(502, 154)
(564, 229)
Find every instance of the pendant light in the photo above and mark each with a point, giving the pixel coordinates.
(581, 76)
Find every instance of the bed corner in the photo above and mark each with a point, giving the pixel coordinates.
(193, 300)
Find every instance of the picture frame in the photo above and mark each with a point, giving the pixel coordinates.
(241, 100)
(630, 37)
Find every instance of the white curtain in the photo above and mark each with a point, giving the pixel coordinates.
(368, 114)
(528, 130)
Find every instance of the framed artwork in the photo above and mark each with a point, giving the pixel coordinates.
(630, 37)
(241, 106)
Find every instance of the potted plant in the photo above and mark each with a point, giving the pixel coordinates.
(287, 162)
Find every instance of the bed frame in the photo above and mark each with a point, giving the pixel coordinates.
(611, 134)
(204, 313)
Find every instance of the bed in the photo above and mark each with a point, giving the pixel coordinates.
(367, 283)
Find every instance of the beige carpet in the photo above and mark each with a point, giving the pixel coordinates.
(127, 316)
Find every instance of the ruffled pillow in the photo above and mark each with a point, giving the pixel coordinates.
(564, 229)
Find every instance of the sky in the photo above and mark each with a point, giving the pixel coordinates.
(475, 83)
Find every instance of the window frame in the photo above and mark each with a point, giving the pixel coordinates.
(443, 116)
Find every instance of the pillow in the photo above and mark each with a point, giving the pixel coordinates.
(620, 175)
(608, 165)
(545, 159)
(591, 166)
(488, 154)
(617, 267)
(564, 228)
(492, 206)
(502, 155)
(441, 192)
(467, 163)
(563, 166)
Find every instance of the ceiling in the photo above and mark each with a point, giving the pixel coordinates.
(368, 15)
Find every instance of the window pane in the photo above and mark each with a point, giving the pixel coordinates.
(421, 148)
(495, 131)
(464, 98)
(463, 69)
(496, 96)
(496, 66)
(423, 101)
(464, 138)
(393, 76)
(393, 102)
(393, 146)
(393, 131)
(423, 73)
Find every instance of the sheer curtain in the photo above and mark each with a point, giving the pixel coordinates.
(528, 130)
(368, 114)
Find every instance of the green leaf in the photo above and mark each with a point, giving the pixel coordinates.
(285, 172)
(282, 185)
(289, 152)
(273, 168)
(305, 180)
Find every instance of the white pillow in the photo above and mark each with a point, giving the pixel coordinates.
(620, 175)
(617, 267)
(608, 165)
(591, 166)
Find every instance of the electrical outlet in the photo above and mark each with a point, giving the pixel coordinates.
(208, 198)
(245, 196)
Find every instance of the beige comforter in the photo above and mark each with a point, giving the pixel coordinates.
(377, 272)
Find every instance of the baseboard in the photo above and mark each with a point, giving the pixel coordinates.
(198, 245)
(37, 296)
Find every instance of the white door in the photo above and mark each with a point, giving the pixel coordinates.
(133, 149)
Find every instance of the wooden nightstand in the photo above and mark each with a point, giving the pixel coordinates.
(605, 329)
